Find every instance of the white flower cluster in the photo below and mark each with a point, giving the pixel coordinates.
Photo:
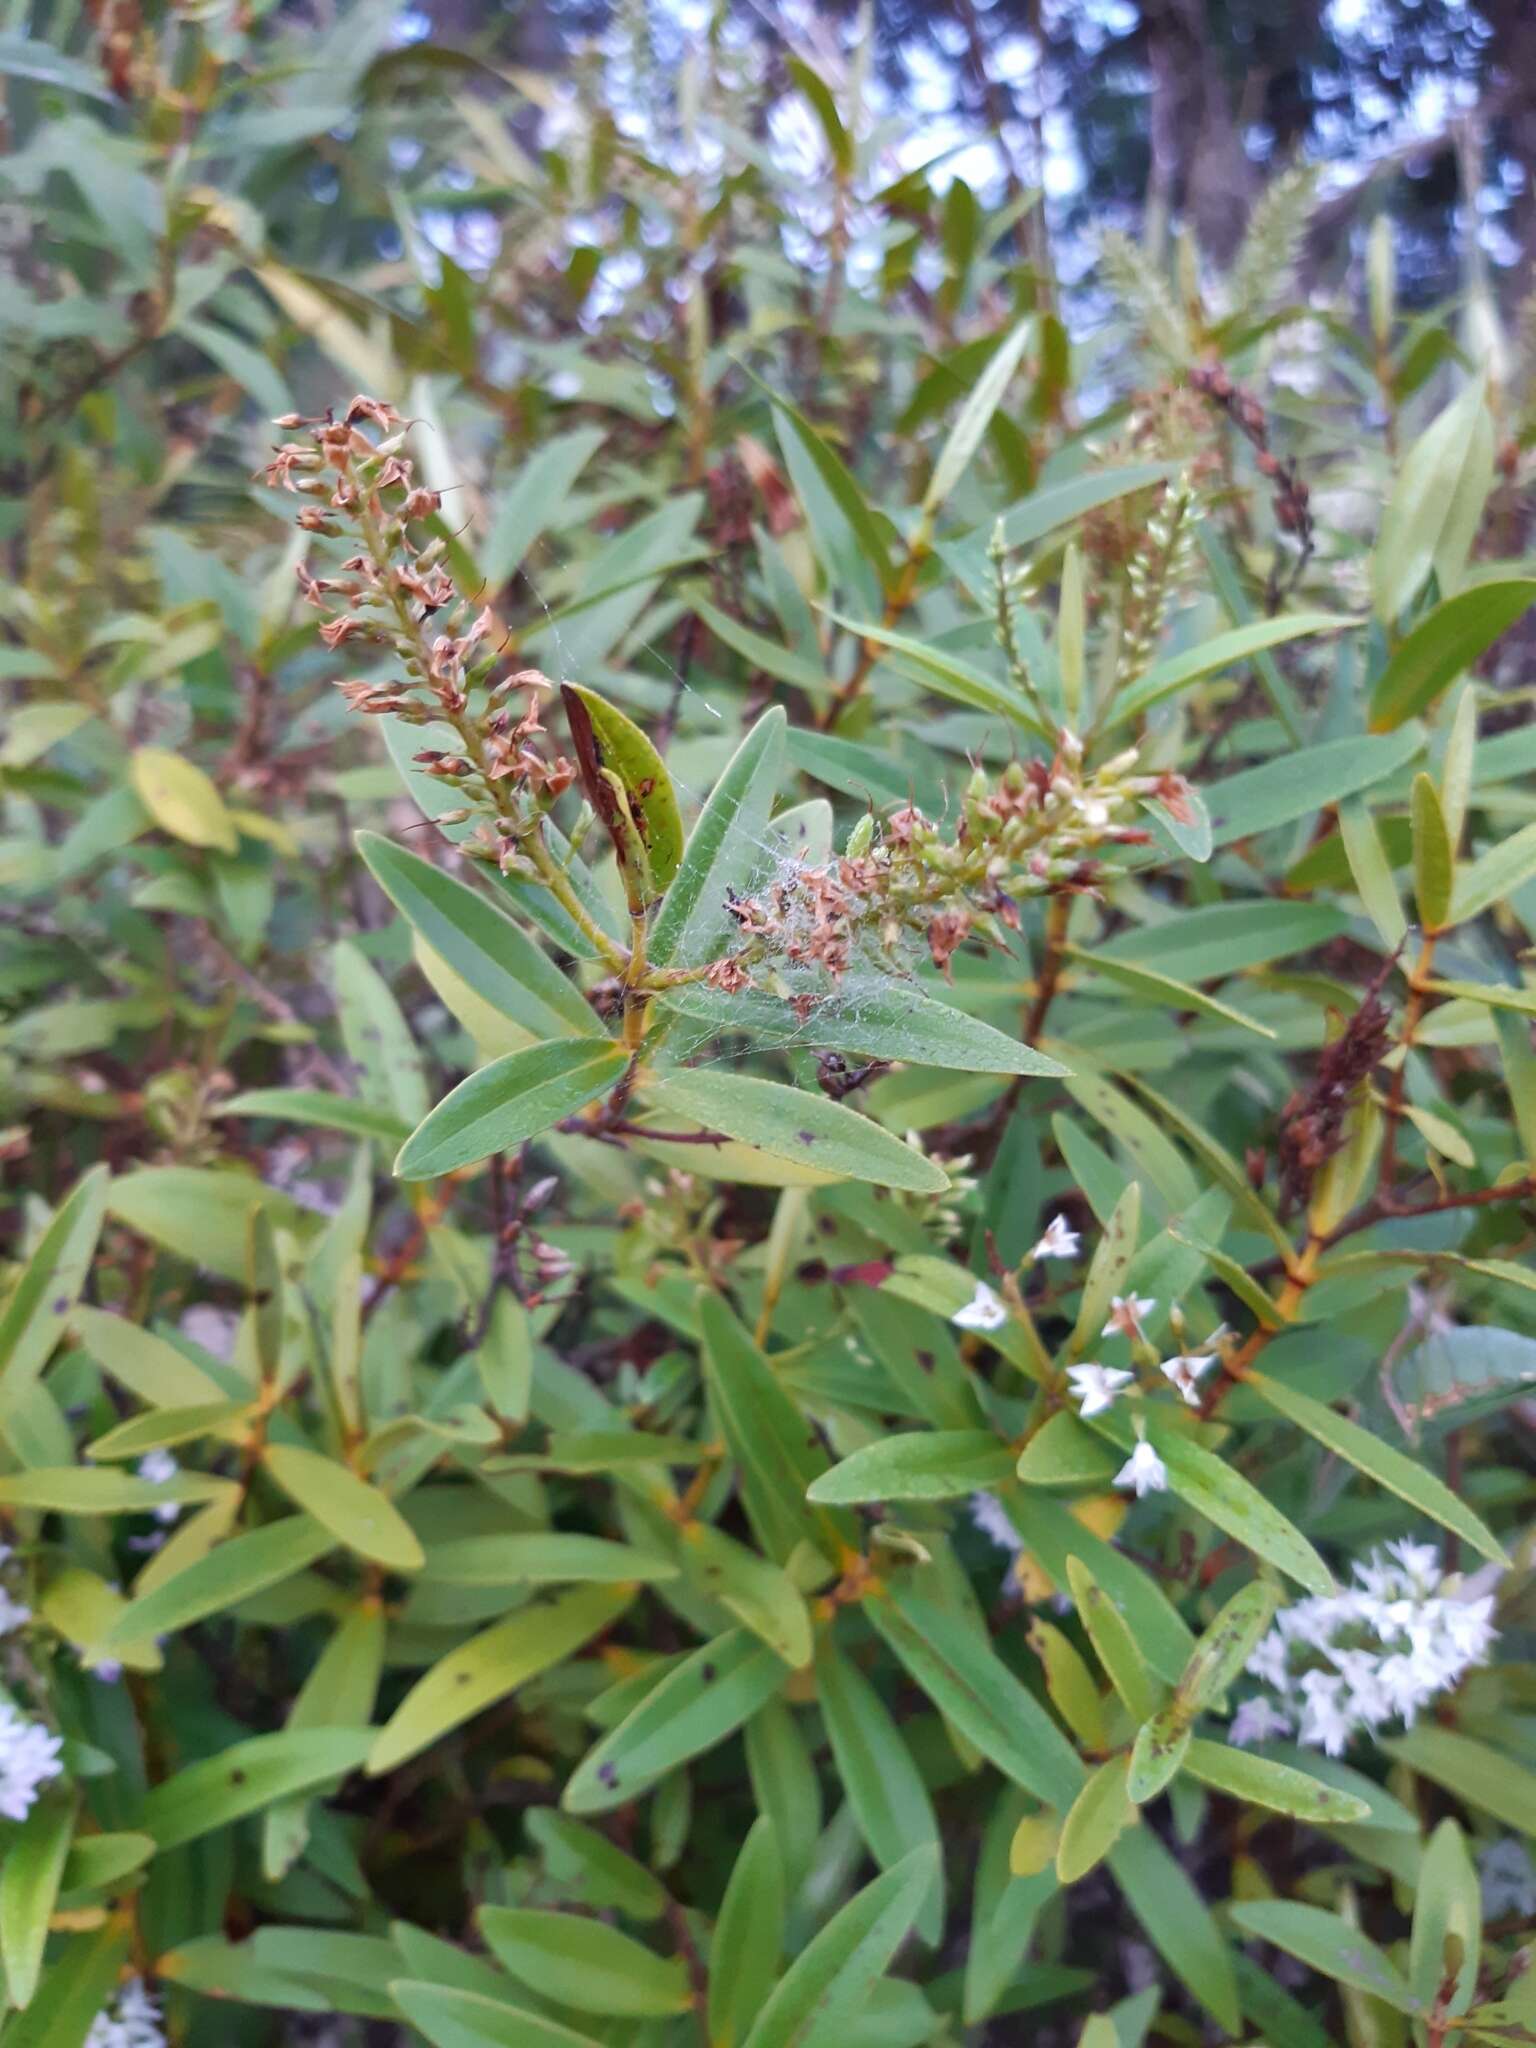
(1377, 1651)
(132, 2022)
(29, 1757)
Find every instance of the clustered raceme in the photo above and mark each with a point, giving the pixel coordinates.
(1344, 1664)
(132, 2021)
(29, 1757)
(1033, 830)
(397, 593)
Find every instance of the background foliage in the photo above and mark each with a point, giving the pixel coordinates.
(594, 1585)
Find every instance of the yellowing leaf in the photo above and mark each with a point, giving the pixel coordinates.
(182, 800)
(355, 1513)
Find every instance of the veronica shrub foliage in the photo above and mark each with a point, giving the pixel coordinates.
(768, 1090)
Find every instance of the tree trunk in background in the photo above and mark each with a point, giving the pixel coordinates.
(1199, 165)
(1513, 111)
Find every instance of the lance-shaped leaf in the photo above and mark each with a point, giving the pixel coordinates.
(758, 1592)
(1095, 1821)
(894, 1022)
(450, 2017)
(513, 1099)
(793, 1124)
(540, 1557)
(478, 942)
(30, 1875)
(627, 784)
(583, 1963)
(1114, 1642)
(247, 1777)
(723, 850)
(1178, 1921)
(1444, 644)
(229, 1573)
(778, 1458)
(357, 1514)
(1409, 1479)
(1262, 1782)
(1326, 1942)
(749, 1937)
(878, 1774)
(942, 1464)
(1220, 1654)
(494, 1664)
(971, 1686)
(43, 1299)
(830, 1980)
(698, 1704)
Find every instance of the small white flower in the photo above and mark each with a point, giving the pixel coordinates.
(1059, 1241)
(159, 1467)
(1257, 1720)
(1143, 1471)
(1185, 1373)
(1325, 1723)
(983, 1311)
(13, 1615)
(1126, 1312)
(1097, 1387)
(988, 1514)
(29, 1757)
(133, 2023)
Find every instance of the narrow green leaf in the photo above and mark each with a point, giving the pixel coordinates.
(1444, 645)
(479, 942)
(876, 1771)
(1099, 1815)
(356, 1514)
(942, 1464)
(749, 1937)
(42, 1302)
(583, 1963)
(975, 416)
(793, 1124)
(30, 1875)
(697, 1705)
(1434, 864)
(248, 1776)
(898, 1022)
(1299, 783)
(1470, 1771)
(1177, 1920)
(1495, 875)
(494, 1664)
(513, 1099)
(541, 1557)
(230, 1572)
(829, 1981)
(972, 1687)
(1327, 1943)
(1372, 873)
(454, 2018)
(723, 849)
(1226, 650)
(315, 1106)
(1407, 1477)
(1260, 1782)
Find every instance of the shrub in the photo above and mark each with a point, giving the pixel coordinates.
(835, 1342)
